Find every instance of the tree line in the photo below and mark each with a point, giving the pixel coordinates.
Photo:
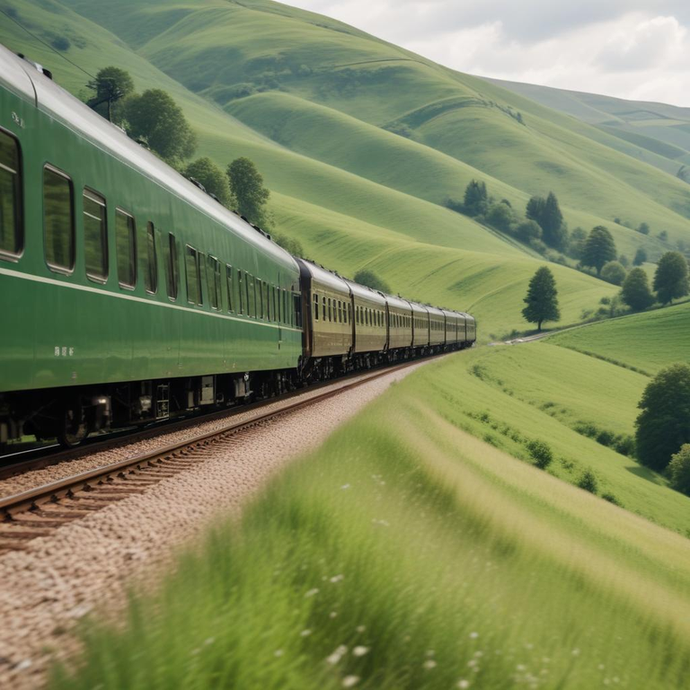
(154, 119)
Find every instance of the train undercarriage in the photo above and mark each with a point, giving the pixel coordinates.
(71, 414)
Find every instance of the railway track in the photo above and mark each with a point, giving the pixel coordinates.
(39, 511)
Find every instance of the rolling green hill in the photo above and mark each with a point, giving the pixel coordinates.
(311, 100)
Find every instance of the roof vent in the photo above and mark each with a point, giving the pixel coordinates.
(37, 66)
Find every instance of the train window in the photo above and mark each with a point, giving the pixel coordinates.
(241, 291)
(316, 307)
(125, 243)
(95, 236)
(230, 288)
(58, 220)
(151, 275)
(213, 279)
(267, 302)
(11, 236)
(191, 262)
(251, 284)
(171, 270)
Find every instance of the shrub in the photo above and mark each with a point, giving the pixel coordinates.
(61, 43)
(608, 496)
(644, 228)
(540, 452)
(371, 280)
(588, 482)
(679, 470)
(625, 445)
(613, 272)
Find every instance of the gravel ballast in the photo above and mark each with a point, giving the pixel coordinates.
(88, 563)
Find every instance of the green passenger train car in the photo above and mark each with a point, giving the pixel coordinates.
(125, 291)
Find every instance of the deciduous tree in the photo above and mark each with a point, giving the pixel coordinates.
(635, 292)
(372, 280)
(671, 277)
(679, 470)
(112, 85)
(156, 117)
(640, 257)
(542, 298)
(208, 174)
(613, 272)
(247, 185)
(599, 248)
(662, 426)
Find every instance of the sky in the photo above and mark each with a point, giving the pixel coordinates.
(636, 49)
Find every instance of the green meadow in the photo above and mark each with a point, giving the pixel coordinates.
(415, 550)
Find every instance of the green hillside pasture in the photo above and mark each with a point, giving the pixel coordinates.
(647, 342)
(567, 385)
(407, 554)
(363, 149)
(519, 156)
(490, 286)
(223, 49)
(490, 404)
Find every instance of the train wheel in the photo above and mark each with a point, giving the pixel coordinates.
(74, 428)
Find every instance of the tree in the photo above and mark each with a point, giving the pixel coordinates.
(156, 117)
(289, 244)
(635, 292)
(542, 298)
(679, 470)
(207, 173)
(624, 261)
(476, 198)
(501, 217)
(671, 277)
(370, 279)
(644, 228)
(548, 214)
(640, 257)
(551, 223)
(599, 249)
(613, 272)
(112, 85)
(529, 230)
(662, 426)
(247, 185)
(578, 239)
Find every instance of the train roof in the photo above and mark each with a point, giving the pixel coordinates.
(434, 311)
(23, 78)
(398, 302)
(418, 308)
(325, 277)
(365, 293)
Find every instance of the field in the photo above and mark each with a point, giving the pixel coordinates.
(312, 101)
(408, 553)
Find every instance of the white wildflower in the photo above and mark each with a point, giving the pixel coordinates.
(360, 651)
(472, 664)
(474, 635)
(463, 684)
(350, 681)
(23, 665)
(278, 653)
(361, 628)
(345, 486)
(429, 664)
(305, 633)
(312, 592)
(576, 652)
(337, 655)
(333, 614)
(337, 578)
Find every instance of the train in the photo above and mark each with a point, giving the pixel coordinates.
(129, 295)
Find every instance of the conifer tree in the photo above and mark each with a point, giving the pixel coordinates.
(542, 298)
(476, 198)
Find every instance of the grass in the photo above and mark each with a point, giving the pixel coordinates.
(407, 553)
(647, 342)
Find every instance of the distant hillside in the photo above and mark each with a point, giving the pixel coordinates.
(661, 132)
(315, 104)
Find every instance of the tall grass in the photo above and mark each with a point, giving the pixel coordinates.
(408, 554)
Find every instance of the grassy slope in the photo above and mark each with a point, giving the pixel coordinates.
(442, 558)
(646, 342)
(212, 46)
(660, 130)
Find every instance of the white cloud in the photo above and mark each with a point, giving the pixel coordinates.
(637, 49)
